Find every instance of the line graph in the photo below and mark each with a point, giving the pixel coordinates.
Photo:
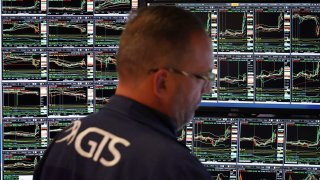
(19, 32)
(264, 75)
(106, 66)
(305, 79)
(10, 58)
(103, 94)
(302, 147)
(212, 141)
(15, 164)
(23, 65)
(64, 63)
(102, 7)
(271, 30)
(70, 66)
(23, 101)
(57, 126)
(258, 142)
(22, 6)
(24, 135)
(66, 95)
(233, 30)
(310, 74)
(108, 31)
(70, 32)
(305, 31)
(271, 81)
(66, 100)
(235, 33)
(240, 78)
(315, 18)
(233, 77)
(69, 7)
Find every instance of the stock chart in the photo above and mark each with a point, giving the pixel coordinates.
(259, 141)
(213, 141)
(305, 30)
(263, 148)
(59, 64)
(235, 78)
(236, 30)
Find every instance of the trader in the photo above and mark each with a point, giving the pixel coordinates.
(164, 64)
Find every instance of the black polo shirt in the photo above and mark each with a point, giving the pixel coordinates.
(125, 140)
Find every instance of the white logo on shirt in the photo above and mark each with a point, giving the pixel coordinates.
(96, 148)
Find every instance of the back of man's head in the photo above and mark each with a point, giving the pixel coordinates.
(155, 37)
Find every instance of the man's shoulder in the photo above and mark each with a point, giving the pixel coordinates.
(87, 147)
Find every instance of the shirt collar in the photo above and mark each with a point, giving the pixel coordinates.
(143, 114)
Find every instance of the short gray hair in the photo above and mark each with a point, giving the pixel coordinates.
(156, 37)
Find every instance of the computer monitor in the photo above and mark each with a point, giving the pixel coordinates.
(249, 147)
(266, 54)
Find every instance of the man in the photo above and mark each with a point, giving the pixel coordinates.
(164, 64)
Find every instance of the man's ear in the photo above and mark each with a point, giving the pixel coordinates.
(160, 82)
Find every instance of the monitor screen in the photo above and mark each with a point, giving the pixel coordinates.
(58, 65)
(266, 55)
(260, 147)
